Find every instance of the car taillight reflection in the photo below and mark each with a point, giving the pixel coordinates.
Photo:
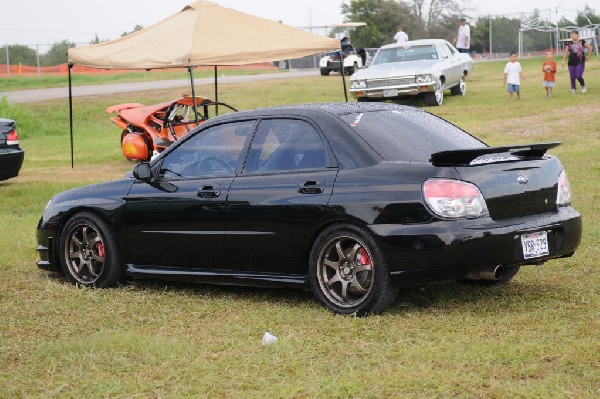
(564, 190)
(454, 199)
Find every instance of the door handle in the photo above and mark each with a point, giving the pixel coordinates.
(209, 191)
(312, 187)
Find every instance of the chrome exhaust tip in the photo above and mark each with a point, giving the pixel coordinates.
(493, 275)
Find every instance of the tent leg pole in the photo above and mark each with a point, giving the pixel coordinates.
(343, 76)
(190, 69)
(216, 92)
(70, 66)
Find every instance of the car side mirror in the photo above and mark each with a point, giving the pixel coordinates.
(142, 171)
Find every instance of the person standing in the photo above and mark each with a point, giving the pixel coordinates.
(513, 73)
(549, 69)
(463, 39)
(401, 36)
(575, 51)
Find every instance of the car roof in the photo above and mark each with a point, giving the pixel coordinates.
(342, 138)
(313, 109)
(421, 42)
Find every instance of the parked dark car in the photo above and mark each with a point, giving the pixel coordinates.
(350, 200)
(11, 155)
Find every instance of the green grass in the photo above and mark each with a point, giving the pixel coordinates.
(537, 337)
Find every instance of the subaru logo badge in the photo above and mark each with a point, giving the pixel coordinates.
(523, 179)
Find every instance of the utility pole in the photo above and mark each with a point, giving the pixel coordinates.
(491, 53)
(7, 63)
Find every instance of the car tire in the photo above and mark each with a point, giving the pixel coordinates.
(352, 69)
(460, 89)
(88, 252)
(348, 273)
(364, 99)
(437, 97)
(324, 72)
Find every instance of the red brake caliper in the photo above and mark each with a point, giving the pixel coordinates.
(100, 247)
(362, 257)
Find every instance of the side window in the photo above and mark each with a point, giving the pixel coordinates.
(215, 151)
(286, 145)
(449, 50)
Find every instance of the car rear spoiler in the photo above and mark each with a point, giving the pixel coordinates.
(465, 157)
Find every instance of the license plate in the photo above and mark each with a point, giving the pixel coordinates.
(390, 93)
(534, 245)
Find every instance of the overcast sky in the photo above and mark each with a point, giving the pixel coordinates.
(47, 21)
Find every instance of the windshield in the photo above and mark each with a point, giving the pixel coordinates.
(405, 54)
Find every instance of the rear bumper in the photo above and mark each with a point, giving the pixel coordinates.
(447, 250)
(11, 161)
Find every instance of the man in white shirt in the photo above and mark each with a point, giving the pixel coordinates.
(463, 39)
(401, 36)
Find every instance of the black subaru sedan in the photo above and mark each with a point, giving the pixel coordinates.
(350, 200)
(11, 155)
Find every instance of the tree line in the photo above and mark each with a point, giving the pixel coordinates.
(421, 19)
(25, 55)
(424, 19)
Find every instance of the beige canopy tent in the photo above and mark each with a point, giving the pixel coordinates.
(202, 34)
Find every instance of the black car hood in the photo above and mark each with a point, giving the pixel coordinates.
(95, 194)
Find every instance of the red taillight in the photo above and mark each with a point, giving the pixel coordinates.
(454, 199)
(449, 188)
(12, 138)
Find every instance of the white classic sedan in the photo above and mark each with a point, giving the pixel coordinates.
(419, 67)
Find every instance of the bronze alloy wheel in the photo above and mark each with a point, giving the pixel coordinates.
(345, 271)
(88, 252)
(84, 252)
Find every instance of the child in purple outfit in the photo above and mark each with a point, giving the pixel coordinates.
(575, 50)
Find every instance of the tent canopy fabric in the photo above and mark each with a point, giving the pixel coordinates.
(203, 34)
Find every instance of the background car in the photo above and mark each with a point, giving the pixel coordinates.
(11, 155)
(326, 197)
(419, 67)
(353, 60)
(149, 129)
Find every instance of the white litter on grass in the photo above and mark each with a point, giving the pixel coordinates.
(268, 338)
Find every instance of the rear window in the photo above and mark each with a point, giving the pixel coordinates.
(409, 135)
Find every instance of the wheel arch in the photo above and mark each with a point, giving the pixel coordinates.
(312, 236)
(55, 243)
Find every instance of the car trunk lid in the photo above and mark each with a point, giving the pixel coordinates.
(515, 181)
(7, 130)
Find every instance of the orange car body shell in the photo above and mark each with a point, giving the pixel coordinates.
(149, 120)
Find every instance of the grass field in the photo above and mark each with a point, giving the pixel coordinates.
(538, 337)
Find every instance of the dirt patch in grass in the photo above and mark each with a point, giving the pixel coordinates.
(80, 173)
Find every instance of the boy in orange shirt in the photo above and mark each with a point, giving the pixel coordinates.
(549, 69)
